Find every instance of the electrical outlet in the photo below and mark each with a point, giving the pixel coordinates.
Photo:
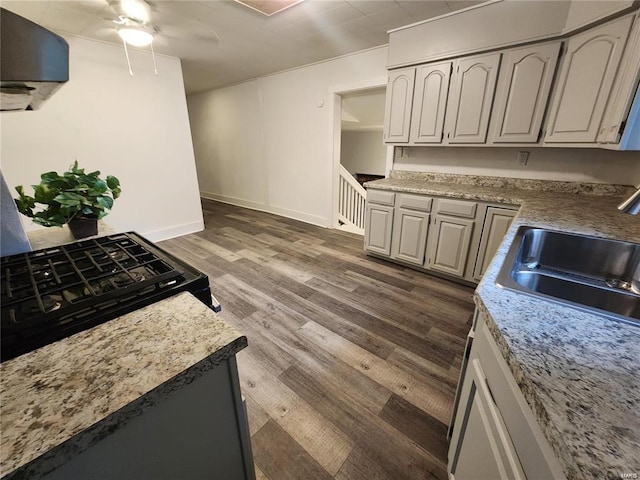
(523, 158)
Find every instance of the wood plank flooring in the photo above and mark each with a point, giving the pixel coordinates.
(352, 361)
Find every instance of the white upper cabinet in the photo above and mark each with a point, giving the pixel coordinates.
(471, 98)
(430, 100)
(585, 81)
(511, 96)
(624, 90)
(523, 90)
(399, 99)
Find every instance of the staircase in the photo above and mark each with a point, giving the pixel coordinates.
(351, 203)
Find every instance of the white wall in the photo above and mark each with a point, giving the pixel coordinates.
(564, 164)
(227, 136)
(134, 128)
(268, 143)
(363, 152)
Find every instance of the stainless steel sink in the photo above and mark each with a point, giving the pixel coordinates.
(594, 274)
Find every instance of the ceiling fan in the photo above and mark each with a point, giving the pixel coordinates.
(133, 26)
(133, 22)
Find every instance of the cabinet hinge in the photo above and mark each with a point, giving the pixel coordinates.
(457, 68)
(622, 125)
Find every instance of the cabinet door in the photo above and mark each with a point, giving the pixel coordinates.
(410, 236)
(450, 245)
(584, 85)
(523, 91)
(623, 91)
(469, 104)
(399, 98)
(377, 228)
(496, 223)
(484, 450)
(432, 87)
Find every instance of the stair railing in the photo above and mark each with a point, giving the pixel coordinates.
(351, 201)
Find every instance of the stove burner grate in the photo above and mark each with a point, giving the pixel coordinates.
(43, 285)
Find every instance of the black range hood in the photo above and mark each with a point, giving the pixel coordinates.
(34, 63)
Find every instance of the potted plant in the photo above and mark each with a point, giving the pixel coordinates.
(75, 197)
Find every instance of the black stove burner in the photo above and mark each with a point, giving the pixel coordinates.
(53, 293)
(48, 303)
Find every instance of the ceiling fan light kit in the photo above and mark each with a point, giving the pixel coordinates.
(135, 36)
(133, 28)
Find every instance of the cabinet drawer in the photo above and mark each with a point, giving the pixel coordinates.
(457, 208)
(381, 197)
(415, 202)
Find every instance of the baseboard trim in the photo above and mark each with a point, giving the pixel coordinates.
(175, 231)
(303, 217)
(240, 202)
(261, 207)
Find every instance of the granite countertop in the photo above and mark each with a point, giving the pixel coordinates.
(65, 397)
(577, 371)
(53, 236)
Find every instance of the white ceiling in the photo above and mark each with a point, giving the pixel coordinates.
(222, 42)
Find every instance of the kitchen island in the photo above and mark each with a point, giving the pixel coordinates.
(137, 397)
(577, 371)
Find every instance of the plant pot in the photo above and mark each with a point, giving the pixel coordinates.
(83, 227)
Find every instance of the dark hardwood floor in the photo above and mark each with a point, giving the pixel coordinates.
(352, 361)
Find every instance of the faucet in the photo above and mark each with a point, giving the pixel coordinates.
(632, 204)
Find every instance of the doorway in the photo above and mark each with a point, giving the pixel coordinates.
(360, 152)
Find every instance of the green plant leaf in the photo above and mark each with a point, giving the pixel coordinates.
(100, 186)
(113, 182)
(49, 176)
(68, 195)
(75, 170)
(105, 202)
(69, 199)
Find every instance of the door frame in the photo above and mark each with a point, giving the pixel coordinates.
(335, 105)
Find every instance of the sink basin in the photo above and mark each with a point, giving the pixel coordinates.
(590, 273)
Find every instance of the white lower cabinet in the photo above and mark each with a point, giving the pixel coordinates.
(484, 449)
(454, 237)
(496, 223)
(379, 220)
(410, 236)
(449, 247)
(495, 434)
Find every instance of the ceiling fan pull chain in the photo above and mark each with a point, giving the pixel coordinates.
(153, 55)
(126, 52)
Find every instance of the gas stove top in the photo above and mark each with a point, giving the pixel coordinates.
(52, 293)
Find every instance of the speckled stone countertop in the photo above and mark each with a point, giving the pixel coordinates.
(52, 236)
(61, 399)
(579, 372)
